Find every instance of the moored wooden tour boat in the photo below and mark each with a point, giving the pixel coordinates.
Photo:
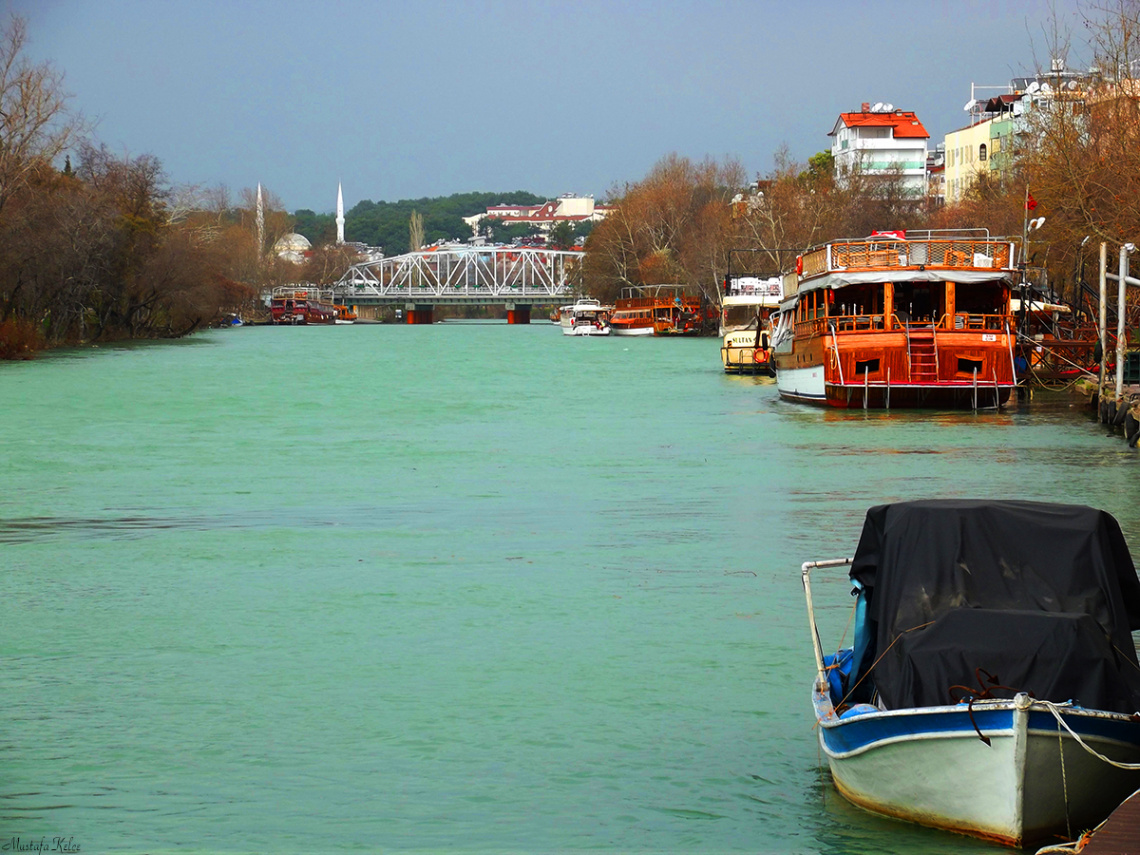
(291, 305)
(656, 310)
(886, 321)
(746, 325)
(633, 312)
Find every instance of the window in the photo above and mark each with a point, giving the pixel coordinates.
(982, 152)
(969, 366)
(869, 366)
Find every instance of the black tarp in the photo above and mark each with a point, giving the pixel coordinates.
(1043, 597)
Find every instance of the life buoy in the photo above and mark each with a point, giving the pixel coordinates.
(799, 265)
(759, 355)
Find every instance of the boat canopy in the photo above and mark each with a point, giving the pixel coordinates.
(843, 278)
(998, 598)
(757, 300)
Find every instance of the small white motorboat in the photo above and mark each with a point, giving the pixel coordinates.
(586, 317)
(993, 685)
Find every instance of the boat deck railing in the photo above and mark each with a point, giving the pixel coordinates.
(687, 303)
(888, 254)
(295, 292)
(961, 321)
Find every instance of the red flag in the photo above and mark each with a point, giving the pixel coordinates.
(1030, 202)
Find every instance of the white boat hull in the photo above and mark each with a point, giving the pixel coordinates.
(585, 329)
(633, 331)
(802, 384)
(930, 766)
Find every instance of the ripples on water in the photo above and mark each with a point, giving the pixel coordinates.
(457, 587)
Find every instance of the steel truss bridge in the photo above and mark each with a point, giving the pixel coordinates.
(464, 275)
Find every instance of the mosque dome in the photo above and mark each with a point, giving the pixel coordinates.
(292, 242)
(292, 247)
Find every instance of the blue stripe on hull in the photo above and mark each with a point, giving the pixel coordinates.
(858, 734)
(843, 736)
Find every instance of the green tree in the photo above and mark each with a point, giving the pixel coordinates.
(820, 169)
(318, 228)
(386, 223)
(561, 235)
(504, 232)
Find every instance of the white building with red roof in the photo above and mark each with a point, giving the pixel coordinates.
(881, 140)
(569, 207)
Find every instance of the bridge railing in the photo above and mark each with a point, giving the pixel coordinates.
(475, 272)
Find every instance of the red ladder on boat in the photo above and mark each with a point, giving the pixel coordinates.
(923, 355)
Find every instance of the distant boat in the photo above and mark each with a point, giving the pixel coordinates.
(993, 684)
(295, 306)
(656, 310)
(344, 314)
(586, 317)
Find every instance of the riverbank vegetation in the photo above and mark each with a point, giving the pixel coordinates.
(1077, 164)
(100, 250)
(682, 222)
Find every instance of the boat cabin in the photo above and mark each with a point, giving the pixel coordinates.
(949, 284)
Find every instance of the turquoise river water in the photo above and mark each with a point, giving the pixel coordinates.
(465, 587)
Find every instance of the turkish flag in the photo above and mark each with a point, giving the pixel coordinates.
(1030, 202)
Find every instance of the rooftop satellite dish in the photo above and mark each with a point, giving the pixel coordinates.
(1032, 87)
(878, 108)
(1046, 89)
(888, 108)
(969, 106)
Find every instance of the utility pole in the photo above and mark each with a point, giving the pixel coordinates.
(1122, 287)
(1102, 324)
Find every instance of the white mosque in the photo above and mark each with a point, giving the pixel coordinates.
(296, 247)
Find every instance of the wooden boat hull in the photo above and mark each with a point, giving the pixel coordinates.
(826, 371)
(626, 330)
(1028, 785)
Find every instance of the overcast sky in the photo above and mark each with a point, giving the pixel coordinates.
(425, 98)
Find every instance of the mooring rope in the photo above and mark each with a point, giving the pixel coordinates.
(1052, 707)
(1064, 784)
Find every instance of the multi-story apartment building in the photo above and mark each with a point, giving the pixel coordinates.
(881, 141)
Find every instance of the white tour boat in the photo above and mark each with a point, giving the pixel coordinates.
(746, 317)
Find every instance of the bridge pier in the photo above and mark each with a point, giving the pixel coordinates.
(418, 313)
(518, 314)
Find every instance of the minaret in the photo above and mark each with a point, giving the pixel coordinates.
(260, 222)
(339, 215)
